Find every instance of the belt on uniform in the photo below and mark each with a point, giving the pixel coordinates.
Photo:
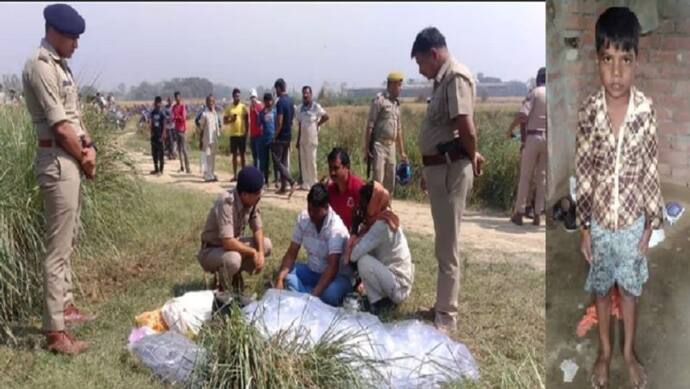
(47, 143)
(205, 245)
(386, 142)
(536, 132)
(440, 159)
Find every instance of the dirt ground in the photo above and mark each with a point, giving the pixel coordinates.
(663, 344)
(483, 233)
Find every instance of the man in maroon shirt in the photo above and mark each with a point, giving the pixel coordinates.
(343, 190)
(179, 112)
(255, 134)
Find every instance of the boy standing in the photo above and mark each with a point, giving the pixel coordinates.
(158, 136)
(618, 190)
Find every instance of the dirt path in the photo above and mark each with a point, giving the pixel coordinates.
(489, 235)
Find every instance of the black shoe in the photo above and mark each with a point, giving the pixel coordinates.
(153, 172)
(529, 212)
(570, 221)
(382, 305)
(517, 218)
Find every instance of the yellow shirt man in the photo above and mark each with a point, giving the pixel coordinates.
(239, 126)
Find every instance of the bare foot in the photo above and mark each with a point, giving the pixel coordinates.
(638, 378)
(600, 372)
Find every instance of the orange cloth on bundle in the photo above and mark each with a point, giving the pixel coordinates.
(152, 319)
(590, 318)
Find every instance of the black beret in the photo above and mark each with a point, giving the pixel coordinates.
(64, 19)
(250, 180)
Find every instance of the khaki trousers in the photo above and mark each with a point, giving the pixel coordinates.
(59, 180)
(532, 166)
(307, 160)
(229, 263)
(379, 281)
(448, 186)
(384, 165)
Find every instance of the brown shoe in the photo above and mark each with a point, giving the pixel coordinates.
(537, 220)
(63, 342)
(73, 316)
(517, 218)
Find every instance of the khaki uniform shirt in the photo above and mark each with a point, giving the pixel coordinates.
(228, 218)
(384, 118)
(534, 107)
(617, 177)
(453, 95)
(51, 93)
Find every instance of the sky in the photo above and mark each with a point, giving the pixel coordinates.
(250, 44)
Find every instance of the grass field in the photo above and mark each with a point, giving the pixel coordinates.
(501, 310)
(139, 251)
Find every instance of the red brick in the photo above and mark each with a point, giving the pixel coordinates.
(682, 173)
(662, 56)
(588, 7)
(676, 43)
(662, 113)
(683, 26)
(573, 68)
(651, 42)
(666, 26)
(587, 38)
(681, 116)
(677, 159)
(570, 6)
(659, 86)
(572, 21)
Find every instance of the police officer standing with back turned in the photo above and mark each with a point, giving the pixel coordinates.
(448, 144)
(65, 151)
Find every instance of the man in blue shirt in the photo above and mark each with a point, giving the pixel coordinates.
(285, 112)
(267, 125)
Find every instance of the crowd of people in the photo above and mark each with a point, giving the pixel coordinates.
(353, 238)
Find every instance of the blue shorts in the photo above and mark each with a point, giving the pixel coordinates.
(616, 259)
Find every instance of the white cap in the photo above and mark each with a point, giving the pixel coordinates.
(253, 94)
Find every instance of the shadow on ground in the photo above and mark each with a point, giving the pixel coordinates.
(663, 344)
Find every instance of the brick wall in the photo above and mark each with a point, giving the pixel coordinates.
(663, 75)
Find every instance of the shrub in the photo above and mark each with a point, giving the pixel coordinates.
(21, 210)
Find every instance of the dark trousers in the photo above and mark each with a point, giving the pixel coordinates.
(279, 152)
(158, 154)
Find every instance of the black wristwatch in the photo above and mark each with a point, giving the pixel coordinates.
(92, 145)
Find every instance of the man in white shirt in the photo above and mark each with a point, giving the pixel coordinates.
(210, 124)
(322, 233)
(310, 116)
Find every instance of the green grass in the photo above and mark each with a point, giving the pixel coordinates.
(501, 306)
(21, 211)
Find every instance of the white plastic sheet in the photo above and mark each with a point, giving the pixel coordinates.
(187, 313)
(412, 354)
(170, 356)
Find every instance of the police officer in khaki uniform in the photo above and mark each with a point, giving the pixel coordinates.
(448, 144)
(384, 132)
(224, 251)
(533, 158)
(65, 151)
